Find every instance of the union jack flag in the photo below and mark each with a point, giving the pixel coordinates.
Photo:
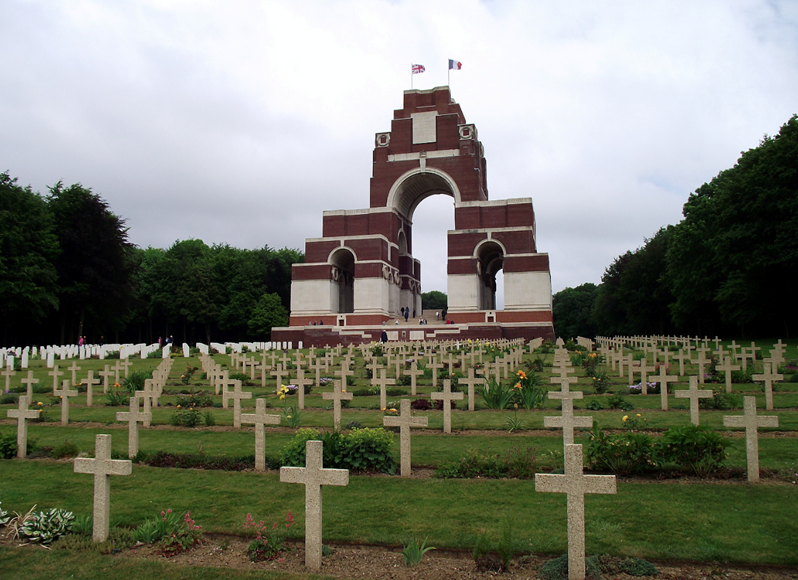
(418, 68)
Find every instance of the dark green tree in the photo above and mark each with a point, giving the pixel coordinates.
(433, 300)
(573, 309)
(95, 265)
(28, 249)
(735, 251)
(268, 313)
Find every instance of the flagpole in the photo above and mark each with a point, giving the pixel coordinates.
(411, 76)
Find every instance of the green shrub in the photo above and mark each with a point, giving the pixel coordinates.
(622, 453)
(46, 527)
(4, 517)
(519, 463)
(8, 445)
(557, 569)
(66, 449)
(190, 417)
(209, 419)
(395, 392)
(600, 381)
(404, 381)
(618, 402)
(368, 450)
(693, 447)
(365, 392)
(527, 392)
(157, 353)
(117, 397)
(135, 381)
(594, 405)
(9, 399)
(358, 450)
(413, 551)
(195, 399)
(721, 400)
(496, 395)
(745, 376)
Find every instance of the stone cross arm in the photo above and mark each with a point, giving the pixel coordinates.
(549, 482)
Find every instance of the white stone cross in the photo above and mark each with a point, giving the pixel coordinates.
(751, 422)
(404, 421)
(434, 365)
(447, 396)
(313, 476)
(125, 365)
(65, 393)
(413, 373)
(701, 363)
(237, 395)
(727, 367)
(644, 369)
(55, 374)
(337, 396)
(301, 382)
(102, 467)
(567, 421)
(682, 357)
(222, 382)
(90, 381)
(471, 381)
(663, 378)
(105, 374)
(576, 485)
(74, 368)
(693, 394)
(768, 376)
(260, 419)
(564, 382)
(345, 371)
(147, 397)
(133, 417)
(29, 382)
(22, 414)
(382, 382)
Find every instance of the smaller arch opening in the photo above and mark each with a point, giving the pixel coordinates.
(490, 259)
(343, 276)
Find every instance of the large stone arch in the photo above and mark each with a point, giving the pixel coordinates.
(416, 185)
(430, 150)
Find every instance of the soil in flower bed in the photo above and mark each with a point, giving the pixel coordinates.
(378, 563)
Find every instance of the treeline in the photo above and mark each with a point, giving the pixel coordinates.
(67, 269)
(730, 266)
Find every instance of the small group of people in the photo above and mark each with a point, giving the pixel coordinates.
(169, 340)
(406, 312)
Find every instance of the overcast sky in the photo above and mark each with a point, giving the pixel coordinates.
(239, 122)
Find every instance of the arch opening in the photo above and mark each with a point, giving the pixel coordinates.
(490, 259)
(343, 277)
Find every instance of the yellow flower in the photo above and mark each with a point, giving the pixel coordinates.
(282, 396)
(516, 405)
(638, 414)
(288, 416)
(517, 386)
(178, 406)
(521, 374)
(39, 403)
(116, 385)
(625, 418)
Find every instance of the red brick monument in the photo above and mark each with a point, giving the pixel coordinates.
(361, 272)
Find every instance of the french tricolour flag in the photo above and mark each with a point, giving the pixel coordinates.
(455, 64)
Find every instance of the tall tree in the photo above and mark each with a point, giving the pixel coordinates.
(28, 248)
(94, 267)
(572, 309)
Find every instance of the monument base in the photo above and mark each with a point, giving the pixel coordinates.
(329, 335)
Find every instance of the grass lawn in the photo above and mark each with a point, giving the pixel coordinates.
(677, 520)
